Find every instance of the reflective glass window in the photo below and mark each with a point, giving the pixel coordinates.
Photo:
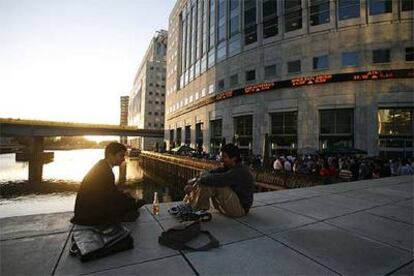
(293, 15)
(319, 12)
(270, 19)
(270, 71)
(321, 62)
(220, 84)
(294, 66)
(178, 132)
(234, 44)
(380, 6)
(250, 26)
(234, 80)
(187, 135)
(395, 121)
(350, 59)
(336, 128)
(381, 56)
(215, 135)
(199, 136)
(407, 5)
(409, 54)
(251, 75)
(348, 9)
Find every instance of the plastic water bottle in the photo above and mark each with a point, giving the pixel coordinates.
(156, 205)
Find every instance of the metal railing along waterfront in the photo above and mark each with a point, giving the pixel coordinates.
(179, 169)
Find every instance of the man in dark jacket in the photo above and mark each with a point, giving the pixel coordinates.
(230, 187)
(98, 200)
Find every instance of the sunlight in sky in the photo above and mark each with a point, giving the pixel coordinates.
(72, 60)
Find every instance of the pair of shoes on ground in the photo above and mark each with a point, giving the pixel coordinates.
(185, 212)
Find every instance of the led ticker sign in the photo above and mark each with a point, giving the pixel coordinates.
(311, 80)
(259, 87)
(304, 81)
(224, 95)
(374, 75)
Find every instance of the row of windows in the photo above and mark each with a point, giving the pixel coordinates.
(157, 68)
(156, 85)
(155, 125)
(395, 130)
(156, 93)
(318, 63)
(225, 35)
(155, 113)
(156, 102)
(352, 58)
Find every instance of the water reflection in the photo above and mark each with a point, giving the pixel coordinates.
(71, 167)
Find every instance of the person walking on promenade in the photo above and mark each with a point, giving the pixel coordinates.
(98, 200)
(229, 187)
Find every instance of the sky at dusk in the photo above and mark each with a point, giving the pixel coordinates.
(71, 60)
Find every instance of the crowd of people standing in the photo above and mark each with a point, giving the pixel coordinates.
(333, 167)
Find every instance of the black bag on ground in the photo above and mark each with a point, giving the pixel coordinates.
(97, 242)
(177, 236)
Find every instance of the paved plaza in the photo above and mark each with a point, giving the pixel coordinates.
(355, 228)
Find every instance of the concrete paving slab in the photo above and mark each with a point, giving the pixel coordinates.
(257, 203)
(378, 228)
(407, 203)
(377, 198)
(268, 219)
(344, 252)
(262, 256)
(408, 188)
(31, 256)
(146, 248)
(338, 188)
(274, 197)
(169, 266)
(26, 226)
(395, 212)
(316, 209)
(302, 192)
(395, 193)
(339, 200)
(144, 214)
(225, 229)
(407, 270)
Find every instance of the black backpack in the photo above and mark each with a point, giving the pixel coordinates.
(177, 236)
(96, 242)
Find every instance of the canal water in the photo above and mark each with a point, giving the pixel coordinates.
(69, 167)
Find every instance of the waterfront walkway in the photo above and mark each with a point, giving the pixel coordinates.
(356, 228)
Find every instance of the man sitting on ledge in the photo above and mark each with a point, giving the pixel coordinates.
(98, 200)
(230, 187)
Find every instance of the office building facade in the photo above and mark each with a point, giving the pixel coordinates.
(309, 73)
(123, 121)
(147, 97)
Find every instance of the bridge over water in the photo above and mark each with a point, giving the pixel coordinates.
(34, 131)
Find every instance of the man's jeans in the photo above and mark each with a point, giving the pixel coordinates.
(224, 199)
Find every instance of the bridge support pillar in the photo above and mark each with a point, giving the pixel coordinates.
(36, 160)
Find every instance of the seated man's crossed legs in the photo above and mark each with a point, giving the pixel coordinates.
(224, 199)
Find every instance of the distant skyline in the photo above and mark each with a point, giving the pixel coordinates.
(72, 60)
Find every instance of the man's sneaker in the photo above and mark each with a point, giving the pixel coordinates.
(185, 212)
(180, 209)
